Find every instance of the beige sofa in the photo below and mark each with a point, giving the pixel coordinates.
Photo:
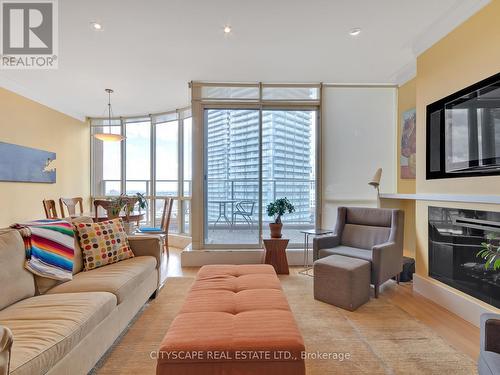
(48, 327)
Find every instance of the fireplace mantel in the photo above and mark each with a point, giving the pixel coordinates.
(488, 199)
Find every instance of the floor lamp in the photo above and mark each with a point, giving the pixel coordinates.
(375, 182)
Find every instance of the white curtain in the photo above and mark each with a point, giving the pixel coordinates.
(359, 136)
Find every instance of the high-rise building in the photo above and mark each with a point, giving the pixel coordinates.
(287, 159)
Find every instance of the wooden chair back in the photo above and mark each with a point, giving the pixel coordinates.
(167, 212)
(71, 204)
(49, 206)
(106, 205)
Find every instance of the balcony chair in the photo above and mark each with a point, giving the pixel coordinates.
(489, 355)
(245, 210)
(49, 206)
(372, 234)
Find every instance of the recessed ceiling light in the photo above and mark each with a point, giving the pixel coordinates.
(96, 25)
(227, 29)
(355, 31)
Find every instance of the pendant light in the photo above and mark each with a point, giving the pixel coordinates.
(109, 137)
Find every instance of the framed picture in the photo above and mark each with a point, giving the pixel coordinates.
(25, 164)
(407, 158)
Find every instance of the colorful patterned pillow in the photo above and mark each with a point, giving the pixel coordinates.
(103, 243)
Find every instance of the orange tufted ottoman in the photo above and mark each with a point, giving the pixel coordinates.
(235, 321)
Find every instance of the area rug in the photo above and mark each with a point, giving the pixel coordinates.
(378, 338)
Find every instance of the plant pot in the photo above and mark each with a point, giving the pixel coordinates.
(275, 230)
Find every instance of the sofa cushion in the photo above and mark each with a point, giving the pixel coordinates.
(78, 259)
(103, 243)
(16, 282)
(352, 252)
(376, 217)
(489, 363)
(46, 328)
(118, 278)
(364, 236)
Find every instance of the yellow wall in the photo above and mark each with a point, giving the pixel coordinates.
(467, 55)
(407, 99)
(27, 123)
(408, 206)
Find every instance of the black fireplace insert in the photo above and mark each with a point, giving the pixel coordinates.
(455, 238)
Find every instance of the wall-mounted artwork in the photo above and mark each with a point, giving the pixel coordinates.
(408, 162)
(25, 164)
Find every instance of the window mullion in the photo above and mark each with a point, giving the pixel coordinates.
(123, 150)
(152, 175)
(180, 173)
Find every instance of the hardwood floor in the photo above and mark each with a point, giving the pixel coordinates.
(459, 333)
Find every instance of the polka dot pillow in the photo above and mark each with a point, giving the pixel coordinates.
(103, 243)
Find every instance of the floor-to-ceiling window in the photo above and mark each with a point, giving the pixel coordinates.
(154, 160)
(106, 159)
(258, 150)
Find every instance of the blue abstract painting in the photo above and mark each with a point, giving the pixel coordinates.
(25, 164)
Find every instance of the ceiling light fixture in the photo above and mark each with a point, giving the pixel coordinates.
(96, 25)
(109, 137)
(227, 29)
(355, 31)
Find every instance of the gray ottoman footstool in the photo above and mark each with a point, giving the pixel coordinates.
(342, 281)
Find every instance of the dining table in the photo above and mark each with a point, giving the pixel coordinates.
(134, 216)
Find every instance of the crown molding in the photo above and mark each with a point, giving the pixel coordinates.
(445, 24)
(406, 73)
(11, 85)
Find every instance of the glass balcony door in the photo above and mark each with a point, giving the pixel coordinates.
(252, 158)
(289, 168)
(232, 169)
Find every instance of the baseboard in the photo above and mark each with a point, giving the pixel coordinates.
(196, 258)
(466, 307)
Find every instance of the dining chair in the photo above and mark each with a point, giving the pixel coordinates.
(106, 205)
(71, 204)
(49, 206)
(164, 226)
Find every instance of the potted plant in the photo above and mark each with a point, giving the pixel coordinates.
(116, 205)
(490, 252)
(276, 210)
(142, 202)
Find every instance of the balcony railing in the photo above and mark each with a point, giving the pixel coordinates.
(301, 192)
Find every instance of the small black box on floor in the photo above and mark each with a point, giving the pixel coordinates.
(408, 269)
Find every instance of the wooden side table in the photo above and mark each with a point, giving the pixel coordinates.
(276, 254)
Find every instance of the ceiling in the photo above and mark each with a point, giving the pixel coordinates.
(148, 51)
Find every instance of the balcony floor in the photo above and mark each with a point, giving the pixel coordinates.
(243, 234)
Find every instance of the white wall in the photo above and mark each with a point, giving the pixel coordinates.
(358, 136)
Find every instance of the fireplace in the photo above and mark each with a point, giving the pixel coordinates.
(455, 237)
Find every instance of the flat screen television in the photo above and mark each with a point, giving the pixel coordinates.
(463, 132)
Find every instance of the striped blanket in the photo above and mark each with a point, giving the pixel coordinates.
(50, 248)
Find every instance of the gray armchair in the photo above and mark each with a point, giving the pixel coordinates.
(372, 234)
(489, 355)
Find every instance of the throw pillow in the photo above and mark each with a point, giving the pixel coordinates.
(103, 243)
